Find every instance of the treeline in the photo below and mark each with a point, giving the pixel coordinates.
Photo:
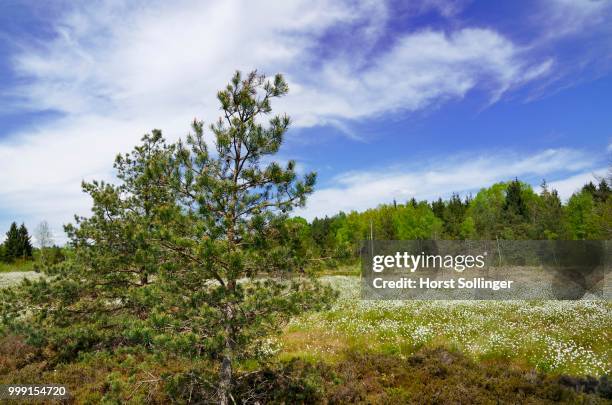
(506, 210)
(18, 247)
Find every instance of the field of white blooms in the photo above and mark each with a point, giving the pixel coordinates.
(573, 337)
(570, 337)
(10, 278)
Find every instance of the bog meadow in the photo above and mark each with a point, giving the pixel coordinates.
(191, 281)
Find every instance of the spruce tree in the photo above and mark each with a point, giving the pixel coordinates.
(12, 244)
(438, 208)
(550, 216)
(25, 243)
(603, 191)
(590, 188)
(515, 205)
(454, 214)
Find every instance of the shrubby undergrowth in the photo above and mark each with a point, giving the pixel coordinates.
(429, 375)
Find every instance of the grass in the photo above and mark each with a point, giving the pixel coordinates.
(558, 337)
(17, 265)
(342, 270)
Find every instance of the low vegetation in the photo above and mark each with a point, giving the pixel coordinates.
(367, 352)
(558, 337)
(18, 265)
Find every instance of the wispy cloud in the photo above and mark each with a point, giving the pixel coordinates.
(567, 186)
(560, 18)
(439, 178)
(421, 69)
(114, 70)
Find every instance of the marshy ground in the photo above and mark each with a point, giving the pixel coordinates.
(376, 352)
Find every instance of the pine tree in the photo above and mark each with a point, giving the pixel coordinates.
(550, 217)
(454, 214)
(590, 188)
(438, 207)
(230, 231)
(104, 296)
(188, 255)
(603, 191)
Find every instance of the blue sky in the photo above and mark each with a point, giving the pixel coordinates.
(390, 100)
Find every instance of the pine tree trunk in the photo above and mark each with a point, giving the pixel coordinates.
(225, 379)
(225, 372)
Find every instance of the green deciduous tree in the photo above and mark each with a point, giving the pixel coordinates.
(486, 210)
(416, 222)
(582, 216)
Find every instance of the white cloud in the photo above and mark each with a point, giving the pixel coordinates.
(115, 70)
(420, 69)
(423, 180)
(563, 17)
(568, 186)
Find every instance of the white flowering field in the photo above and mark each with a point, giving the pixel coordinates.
(572, 337)
(15, 277)
(569, 337)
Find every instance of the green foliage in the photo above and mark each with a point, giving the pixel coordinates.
(193, 255)
(486, 210)
(506, 210)
(550, 217)
(18, 265)
(25, 243)
(12, 244)
(454, 215)
(416, 222)
(234, 228)
(340, 236)
(51, 256)
(17, 244)
(582, 216)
